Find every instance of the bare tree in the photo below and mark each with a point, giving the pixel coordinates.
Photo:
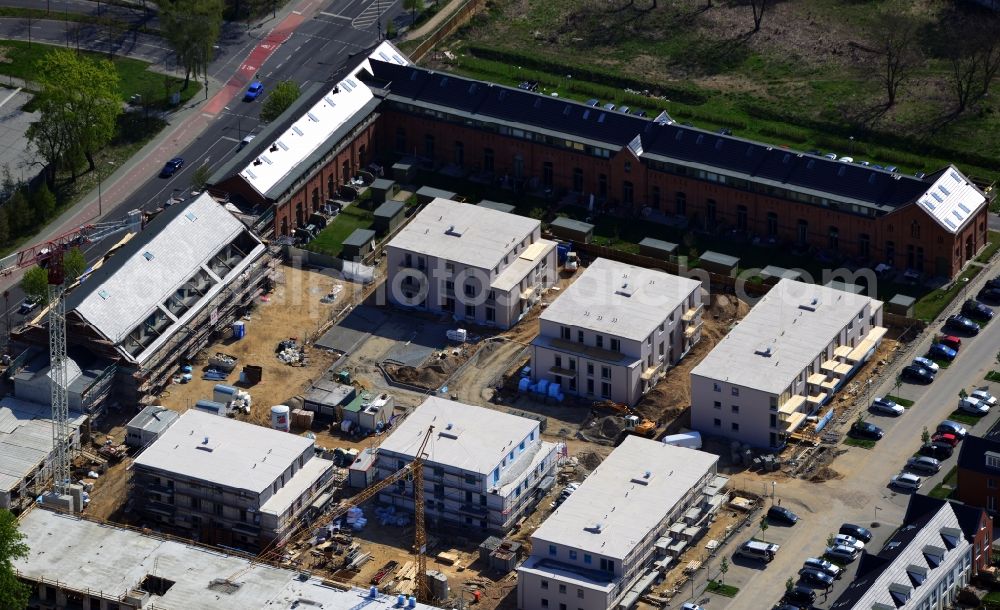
(895, 52)
(757, 6)
(974, 58)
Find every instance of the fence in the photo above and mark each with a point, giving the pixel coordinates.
(449, 25)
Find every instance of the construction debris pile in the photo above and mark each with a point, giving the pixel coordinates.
(291, 352)
(388, 516)
(355, 518)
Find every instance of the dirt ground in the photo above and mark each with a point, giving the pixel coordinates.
(294, 309)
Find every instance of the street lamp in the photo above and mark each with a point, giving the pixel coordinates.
(875, 522)
(773, 485)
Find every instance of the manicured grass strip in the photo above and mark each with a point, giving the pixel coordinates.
(964, 418)
(330, 240)
(906, 403)
(864, 443)
(994, 245)
(993, 376)
(934, 302)
(941, 362)
(719, 588)
(944, 489)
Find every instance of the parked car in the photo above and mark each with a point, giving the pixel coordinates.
(941, 352)
(843, 553)
(246, 140)
(801, 595)
(639, 113)
(962, 324)
(780, 514)
(861, 533)
(253, 91)
(945, 437)
(984, 396)
(886, 407)
(609, 106)
(863, 429)
(171, 167)
(951, 341)
(831, 156)
(891, 168)
(940, 451)
(815, 563)
(923, 464)
(848, 540)
(990, 294)
(593, 102)
(906, 481)
(29, 305)
(725, 131)
(927, 363)
(953, 427)
(815, 578)
(916, 373)
(973, 406)
(977, 311)
(846, 159)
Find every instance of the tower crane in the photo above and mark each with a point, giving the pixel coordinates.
(414, 469)
(50, 254)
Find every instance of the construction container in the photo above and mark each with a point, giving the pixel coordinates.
(280, 419)
(239, 330)
(223, 393)
(302, 419)
(361, 472)
(211, 406)
(252, 374)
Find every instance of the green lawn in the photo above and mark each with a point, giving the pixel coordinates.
(946, 486)
(136, 78)
(993, 376)
(330, 240)
(864, 443)
(994, 245)
(906, 403)
(963, 417)
(941, 362)
(933, 303)
(723, 589)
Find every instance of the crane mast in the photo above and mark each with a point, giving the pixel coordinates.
(57, 365)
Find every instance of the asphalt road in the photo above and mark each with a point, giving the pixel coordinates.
(304, 51)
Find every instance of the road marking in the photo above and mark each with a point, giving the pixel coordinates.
(335, 16)
(230, 138)
(7, 99)
(297, 12)
(207, 115)
(371, 14)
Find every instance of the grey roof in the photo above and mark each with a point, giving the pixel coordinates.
(477, 441)
(620, 300)
(496, 205)
(154, 419)
(658, 244)
(389, 209)
(223, 451)
(902, 300)
(563, 222)
(780, 272)
(782, 334)
(139, 277)
(628, 496)
(720, 259)
(359, 238)
(25, 438)
(463, 233)
(430, 191)
(85, 555)
(329, 393)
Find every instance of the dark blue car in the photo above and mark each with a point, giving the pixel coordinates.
(170, 167)
(254, 91)
(942, 352)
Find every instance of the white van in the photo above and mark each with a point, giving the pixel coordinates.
(755, 549)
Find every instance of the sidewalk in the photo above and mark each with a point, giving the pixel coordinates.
(432, 24)
(185, 125)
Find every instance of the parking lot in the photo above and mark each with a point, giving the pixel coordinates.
(861, 493)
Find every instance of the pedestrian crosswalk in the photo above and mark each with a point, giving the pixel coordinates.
(371, 14)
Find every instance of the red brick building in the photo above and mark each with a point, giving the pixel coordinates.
(979, 473)
(654, 168)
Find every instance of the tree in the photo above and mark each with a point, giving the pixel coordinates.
(35, 283)
(44, 204)
(895, 52)
(20, 212)
(13, 593)
(191, 27)
(283, 95)
(763, 526)
(789, 584)
(414, 6)
(390, 29)
(80, 103)
(757, 6)
(4, 226)
(925, 435)
(831, 540)
(200, 177)
(973, 53)
(723, 568)
(74, 264)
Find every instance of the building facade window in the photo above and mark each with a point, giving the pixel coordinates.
(459, 154)
(834, 239)
(429, 146)
(864, 245)
(577, 180)
(488, 159)
(602, 186)
(741, 218)
(802, 232)
(654, 198)
(401, 140)
(547, 174)
(680, 203)
(772, 224)
(628, 195)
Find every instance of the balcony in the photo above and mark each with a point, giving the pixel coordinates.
(651, 372)
(692, 314)
(790, 407)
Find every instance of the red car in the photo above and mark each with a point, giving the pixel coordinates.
(944, 437)
(951, 341)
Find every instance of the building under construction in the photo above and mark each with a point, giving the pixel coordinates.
(163, 296)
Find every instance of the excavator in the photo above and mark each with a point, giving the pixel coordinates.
(634, 423)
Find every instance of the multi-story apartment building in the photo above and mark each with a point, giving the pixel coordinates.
(616, 330)
(979, 472)
(483, 469)
(922, 567)
(596, 551)
(976, 523)
(784, 361)
(227, 482)
(475, 263)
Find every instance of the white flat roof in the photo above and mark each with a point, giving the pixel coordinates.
(303, 479)
(613, 496)
(314, 128)
(237, 454)
(526, 260)
(477, 441)
(25, 438)
(85, 555)
(952, 199)
(464, 233)
(782, 334)
(620, 300)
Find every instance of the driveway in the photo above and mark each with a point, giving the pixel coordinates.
(861, 495)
